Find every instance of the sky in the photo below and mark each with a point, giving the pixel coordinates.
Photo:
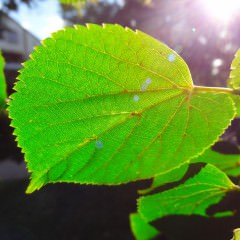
(41, 19)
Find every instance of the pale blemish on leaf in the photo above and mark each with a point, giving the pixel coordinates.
(99, 144)
(171, 57)
(136, 98)
(148, 81)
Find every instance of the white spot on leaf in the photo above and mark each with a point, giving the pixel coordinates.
(148, 81)
(171, 57)
(136, 98)
(99, 144)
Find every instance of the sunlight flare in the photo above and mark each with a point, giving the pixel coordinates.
(222, 10)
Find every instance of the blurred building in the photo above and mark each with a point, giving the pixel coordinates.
(16, 44)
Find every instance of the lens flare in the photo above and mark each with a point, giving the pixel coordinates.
(221, 10)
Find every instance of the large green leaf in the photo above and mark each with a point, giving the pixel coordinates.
(142, 230)
(193, 197)
(229, 163)
(107, 105)
(3, 94)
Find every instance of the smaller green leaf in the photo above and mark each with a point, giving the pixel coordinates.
(193, 197)
(236, 234)
(141, 229)
(172, 176)
(223, 214)
(234, 78)
(3, 94)
(229, 163)
(236, 100)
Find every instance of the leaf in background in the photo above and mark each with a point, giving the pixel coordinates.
(236, 99)
(206, 188)
(236, 234)
(229, 163)
(171, 176)
(3, 87)
(107, 105)
(142, 230)
(234, 78)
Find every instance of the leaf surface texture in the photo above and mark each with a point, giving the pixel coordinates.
(107, 105)
(229, 163)
(142, 230)
(234, 79)
(192, 197)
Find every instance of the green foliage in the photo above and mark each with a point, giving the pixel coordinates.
(174, 175)
(229, 163)
(198, 193)
(234, 79)
(193, 197)
(142, 230)
(106, 105)
(3, 87)
(236, 99)
(236, 234)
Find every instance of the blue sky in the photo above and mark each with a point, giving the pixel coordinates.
(41, 19)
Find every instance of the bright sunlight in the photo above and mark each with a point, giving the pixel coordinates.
(222, 10)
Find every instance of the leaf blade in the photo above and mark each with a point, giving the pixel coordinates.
(174, 175)
(141, 229)
(193, 197)
(229, 163)
(234, 78)
(91, 128)
(3, 87)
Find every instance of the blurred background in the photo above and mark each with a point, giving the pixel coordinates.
(205, 33)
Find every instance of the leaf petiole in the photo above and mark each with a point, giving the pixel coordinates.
(197, 89)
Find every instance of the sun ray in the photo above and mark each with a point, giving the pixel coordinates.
(221, 10)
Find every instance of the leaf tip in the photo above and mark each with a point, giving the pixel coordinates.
(35, 184)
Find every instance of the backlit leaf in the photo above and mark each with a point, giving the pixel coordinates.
(234, 78)
(193, 197)
(142, 230)
(3, 94)
(107, 105)
(229, 163)
(171, 176)
(236, 234)
(236, 99)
